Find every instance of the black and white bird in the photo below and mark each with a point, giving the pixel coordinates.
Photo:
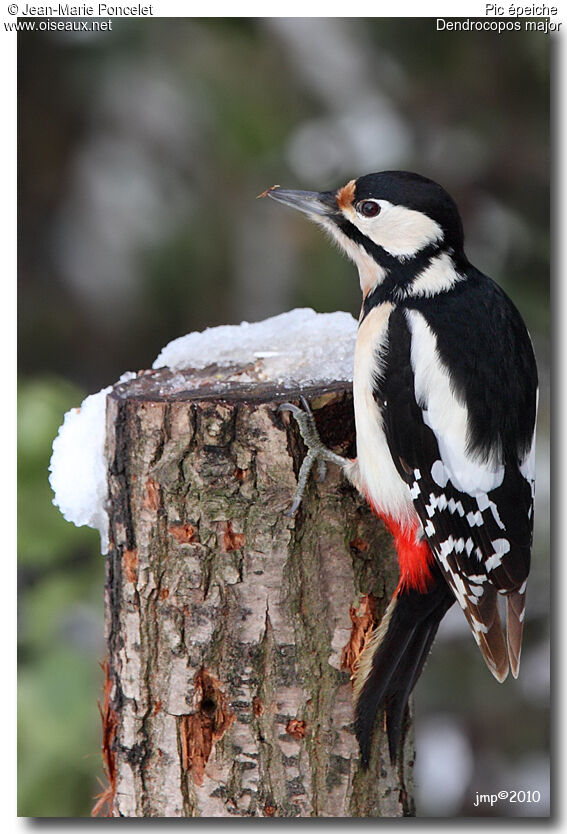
(445, 399)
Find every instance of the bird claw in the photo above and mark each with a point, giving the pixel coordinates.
(306, 422)
(316, 451)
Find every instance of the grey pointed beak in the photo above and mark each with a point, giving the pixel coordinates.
(320, 203)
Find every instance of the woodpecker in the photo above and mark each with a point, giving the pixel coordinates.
(445, 401)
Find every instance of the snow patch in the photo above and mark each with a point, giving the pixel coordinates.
(298, 347)
(78, 466)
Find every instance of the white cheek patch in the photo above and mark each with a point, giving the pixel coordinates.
(401, 231)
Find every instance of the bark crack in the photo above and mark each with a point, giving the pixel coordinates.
(199, 730)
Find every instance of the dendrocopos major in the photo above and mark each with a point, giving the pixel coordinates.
(445, 400)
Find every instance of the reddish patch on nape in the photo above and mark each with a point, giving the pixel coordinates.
(414, 557)
(345, 195)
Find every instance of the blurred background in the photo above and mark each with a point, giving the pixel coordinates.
(141, 151)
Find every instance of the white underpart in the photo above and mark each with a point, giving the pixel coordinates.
(401, 231)
(378, 476)
(446, 415)
(369, 272)
(439, 276)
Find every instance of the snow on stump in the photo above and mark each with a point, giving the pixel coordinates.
(231, 627)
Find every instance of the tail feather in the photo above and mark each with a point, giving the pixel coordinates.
(515, 604)
(407, 675)
(484, 620)
(392, 662)
(376, 688)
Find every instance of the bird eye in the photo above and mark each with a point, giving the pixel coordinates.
(368, 208)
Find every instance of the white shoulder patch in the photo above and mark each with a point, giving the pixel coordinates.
(445, 414)
(438, 277)
(527, 465)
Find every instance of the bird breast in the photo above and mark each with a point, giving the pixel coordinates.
(379, 479)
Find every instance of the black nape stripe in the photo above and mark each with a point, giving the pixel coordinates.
(400, 272)
(399, 277)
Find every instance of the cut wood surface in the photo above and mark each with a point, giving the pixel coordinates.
(232, 628)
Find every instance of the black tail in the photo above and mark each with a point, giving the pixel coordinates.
(395, 659)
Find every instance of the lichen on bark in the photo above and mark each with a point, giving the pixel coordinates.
(226, 619)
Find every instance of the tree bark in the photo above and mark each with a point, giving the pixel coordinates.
(231, 627)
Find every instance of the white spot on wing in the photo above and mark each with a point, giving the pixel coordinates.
(475, 519)
(445, 548)
(501, 547)
(496, 514)
(479, 627)
(430, 508)
(484, 503)
(459, 589)
(439, 474)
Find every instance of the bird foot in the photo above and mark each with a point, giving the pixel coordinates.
(317, 453)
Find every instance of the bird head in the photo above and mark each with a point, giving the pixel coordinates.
(384, 220)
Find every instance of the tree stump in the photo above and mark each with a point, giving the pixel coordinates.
(230, 626)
